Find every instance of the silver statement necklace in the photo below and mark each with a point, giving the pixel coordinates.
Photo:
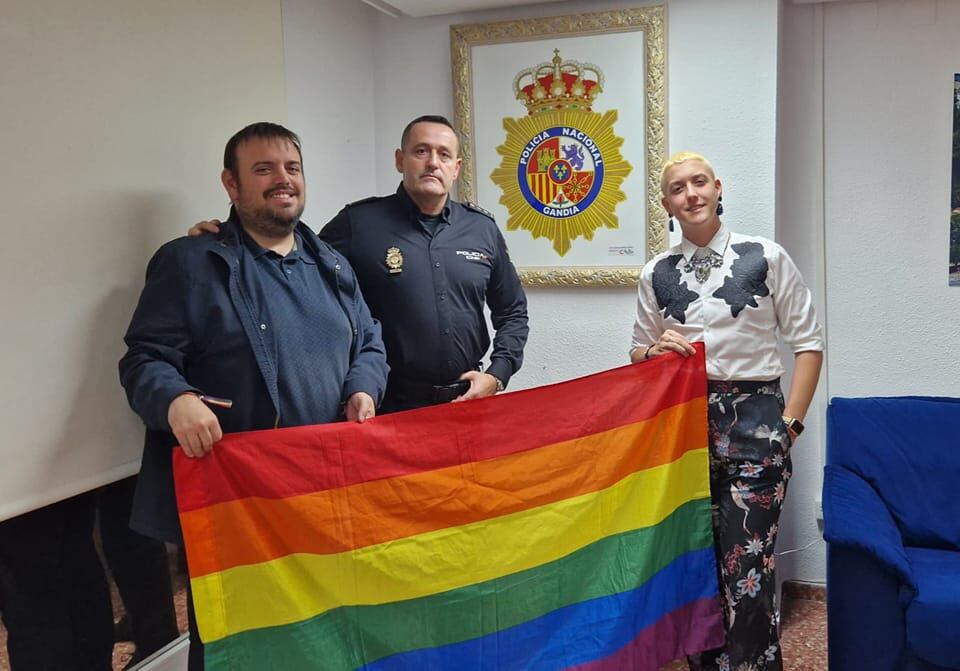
(701, 266)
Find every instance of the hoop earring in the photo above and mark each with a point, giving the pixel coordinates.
(670, 223)
(719, 205)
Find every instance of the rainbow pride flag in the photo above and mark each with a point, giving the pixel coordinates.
(564, 527)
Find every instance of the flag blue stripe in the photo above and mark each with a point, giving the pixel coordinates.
(576, 634)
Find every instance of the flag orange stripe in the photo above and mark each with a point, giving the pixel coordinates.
(255, 530)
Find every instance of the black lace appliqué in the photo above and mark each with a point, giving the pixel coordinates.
(673, 297)
(747, 279)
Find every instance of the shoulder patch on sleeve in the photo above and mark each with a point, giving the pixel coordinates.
(476, 208)
(365, 200)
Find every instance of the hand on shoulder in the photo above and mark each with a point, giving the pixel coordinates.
(202, 227)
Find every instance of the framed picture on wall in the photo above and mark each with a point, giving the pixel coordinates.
(562, 124)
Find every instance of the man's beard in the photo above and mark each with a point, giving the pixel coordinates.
(269, 224)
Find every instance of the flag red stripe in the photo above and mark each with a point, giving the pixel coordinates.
(310, 459)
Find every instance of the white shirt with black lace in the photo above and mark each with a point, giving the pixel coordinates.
(750, 295)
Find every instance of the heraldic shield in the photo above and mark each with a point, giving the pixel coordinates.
(562, 168)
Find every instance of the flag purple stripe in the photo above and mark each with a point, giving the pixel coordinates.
(689, 629)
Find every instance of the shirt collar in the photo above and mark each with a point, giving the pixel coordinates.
(299, 251)
(414, 211)
(717, 244)
(252, 245)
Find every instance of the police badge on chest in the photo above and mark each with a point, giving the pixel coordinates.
(394, 260)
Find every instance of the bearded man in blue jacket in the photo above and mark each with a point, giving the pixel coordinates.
(262, 317)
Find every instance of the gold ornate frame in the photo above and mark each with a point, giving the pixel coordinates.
(652, 21)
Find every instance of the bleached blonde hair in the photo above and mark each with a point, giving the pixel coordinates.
(679, 158)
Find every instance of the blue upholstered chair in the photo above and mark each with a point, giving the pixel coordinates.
(891, 513)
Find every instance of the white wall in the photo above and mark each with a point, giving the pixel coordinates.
(114, 119)
(114, 122)
(888, 90)
(866, 92)
(800, 230)
(723, 100)
(329, 53)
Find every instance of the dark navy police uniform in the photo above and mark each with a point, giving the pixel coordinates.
(427, 282)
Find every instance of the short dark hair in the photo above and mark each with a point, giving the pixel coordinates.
(427, 118)
(263, 130)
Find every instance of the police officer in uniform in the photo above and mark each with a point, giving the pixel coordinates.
(426, 265)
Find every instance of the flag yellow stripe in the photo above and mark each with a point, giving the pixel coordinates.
(300, 586)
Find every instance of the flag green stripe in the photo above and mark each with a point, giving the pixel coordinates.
(611, 565)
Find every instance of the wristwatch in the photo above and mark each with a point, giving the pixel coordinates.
(499, 383)
(794, 425)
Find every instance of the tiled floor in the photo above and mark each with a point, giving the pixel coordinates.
(803, 634)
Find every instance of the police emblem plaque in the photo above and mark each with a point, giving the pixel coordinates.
(562, 170)
(394, 260)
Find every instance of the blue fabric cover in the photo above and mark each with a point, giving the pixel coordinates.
(891, 504)
(866, 623)
(855, 516)
(908, 450)
(933, 617)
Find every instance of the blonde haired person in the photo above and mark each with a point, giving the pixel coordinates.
(740, 295)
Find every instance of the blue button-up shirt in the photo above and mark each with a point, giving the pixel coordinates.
(307, 334)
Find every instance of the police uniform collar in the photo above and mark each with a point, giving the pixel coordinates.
(414, 212)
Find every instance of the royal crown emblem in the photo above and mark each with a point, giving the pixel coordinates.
(562, 168)
(558, 85)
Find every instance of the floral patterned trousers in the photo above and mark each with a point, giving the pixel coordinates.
(749, 470)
